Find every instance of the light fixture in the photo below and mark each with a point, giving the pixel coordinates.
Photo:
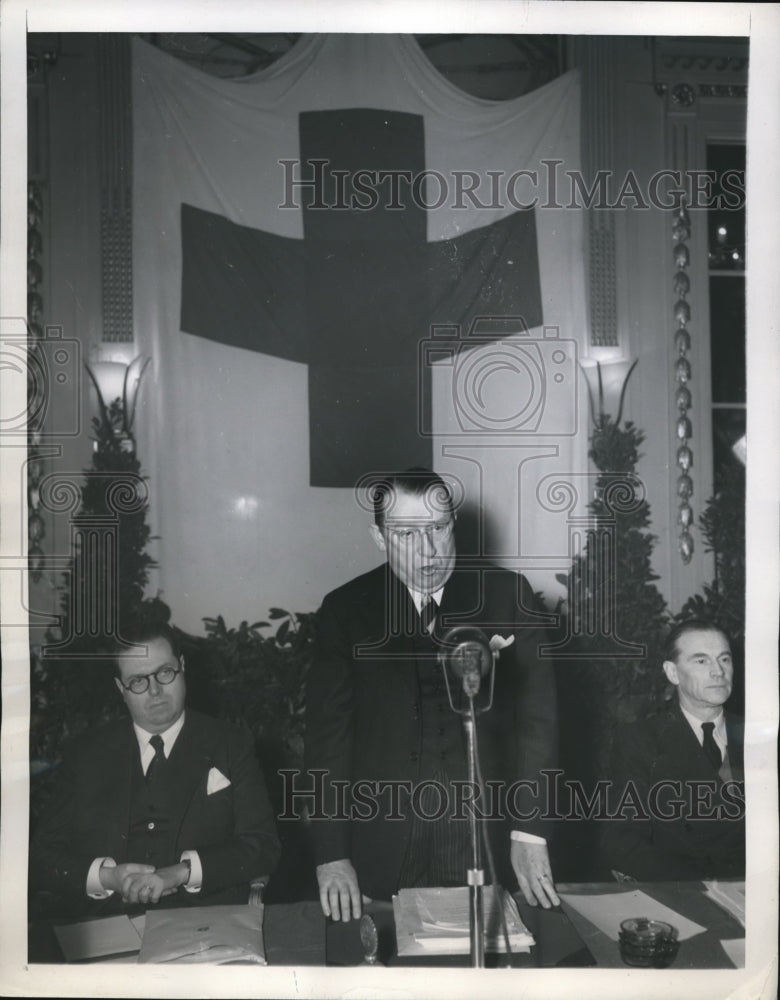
(116, 385)
(739, 448)
(607, 381)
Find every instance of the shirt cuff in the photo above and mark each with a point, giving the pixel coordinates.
(195, 880)
(526, 838)
(94, 889)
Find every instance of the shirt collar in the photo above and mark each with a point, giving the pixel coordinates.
(719, 732)
(421, 599)
(169, 737)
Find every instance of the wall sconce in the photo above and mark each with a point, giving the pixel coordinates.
(116, 384)
(607, 381)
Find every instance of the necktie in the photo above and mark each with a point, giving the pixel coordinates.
(157, 763)
(709, 745)
(428, 614)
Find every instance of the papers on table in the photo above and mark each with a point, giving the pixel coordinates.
(98, 938)
(608, 910)
(735, 949)
(436, 922)
(730, 896)
(216, 934)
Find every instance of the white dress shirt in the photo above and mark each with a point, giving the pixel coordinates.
(719, 732)
(94, 888)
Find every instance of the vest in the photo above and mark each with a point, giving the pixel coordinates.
(151, 838)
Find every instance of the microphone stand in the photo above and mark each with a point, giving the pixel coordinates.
(475, 875)
(471, 644)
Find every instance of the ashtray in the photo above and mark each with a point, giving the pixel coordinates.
(647, 943)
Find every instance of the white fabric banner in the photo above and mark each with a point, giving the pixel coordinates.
(225, 431)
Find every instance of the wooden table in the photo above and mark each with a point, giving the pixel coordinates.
(702, 951)
(298, 934)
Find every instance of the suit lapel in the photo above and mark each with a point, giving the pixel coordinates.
(117, 792)
(679, 743)
(189, 764)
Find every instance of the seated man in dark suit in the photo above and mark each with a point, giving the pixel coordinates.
(168, 806)
(677, 778)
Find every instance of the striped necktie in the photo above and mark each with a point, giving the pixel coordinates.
(428, 614)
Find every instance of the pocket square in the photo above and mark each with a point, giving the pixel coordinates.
(499, 642)
(216, 781)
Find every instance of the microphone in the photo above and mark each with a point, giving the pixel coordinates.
(466, 653)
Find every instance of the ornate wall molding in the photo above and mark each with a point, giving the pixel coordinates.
(116, 187)
(596, 58)
(687, 69)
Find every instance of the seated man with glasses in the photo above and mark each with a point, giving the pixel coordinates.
(382, 739)
(168, 807)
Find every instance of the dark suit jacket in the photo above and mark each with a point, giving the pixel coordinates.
(363, 717)
(233, 830)
(706, 836)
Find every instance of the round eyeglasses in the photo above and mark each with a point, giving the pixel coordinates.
(140, 683)
(436, 532)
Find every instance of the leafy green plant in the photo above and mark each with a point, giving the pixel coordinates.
(615, 688)
(599, 686)
(71, 685)
(259, 678)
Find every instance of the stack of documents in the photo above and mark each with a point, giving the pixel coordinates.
(730, 896)
(216, 934)
(104, 938)
(436, 922)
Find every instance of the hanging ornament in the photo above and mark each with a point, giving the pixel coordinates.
(682, 370)
(36, 529)
(684, 430)
(682, 341)
(683, 397)
(36, 363)
(681, 256)
(684, 457)
(682, 312)
(35, 561)
(681, 232)
(685, 546)
(685, 515)
(685, 487)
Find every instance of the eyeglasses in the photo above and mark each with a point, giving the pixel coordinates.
(439, 531)
(140, 683)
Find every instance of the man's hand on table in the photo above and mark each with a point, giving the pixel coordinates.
(139, 883)
(340, 896)
(531, 864)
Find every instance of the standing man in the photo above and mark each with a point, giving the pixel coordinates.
(685, 771)
(169, 804)
(378, 717)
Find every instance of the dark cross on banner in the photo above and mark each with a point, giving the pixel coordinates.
(358, 294)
